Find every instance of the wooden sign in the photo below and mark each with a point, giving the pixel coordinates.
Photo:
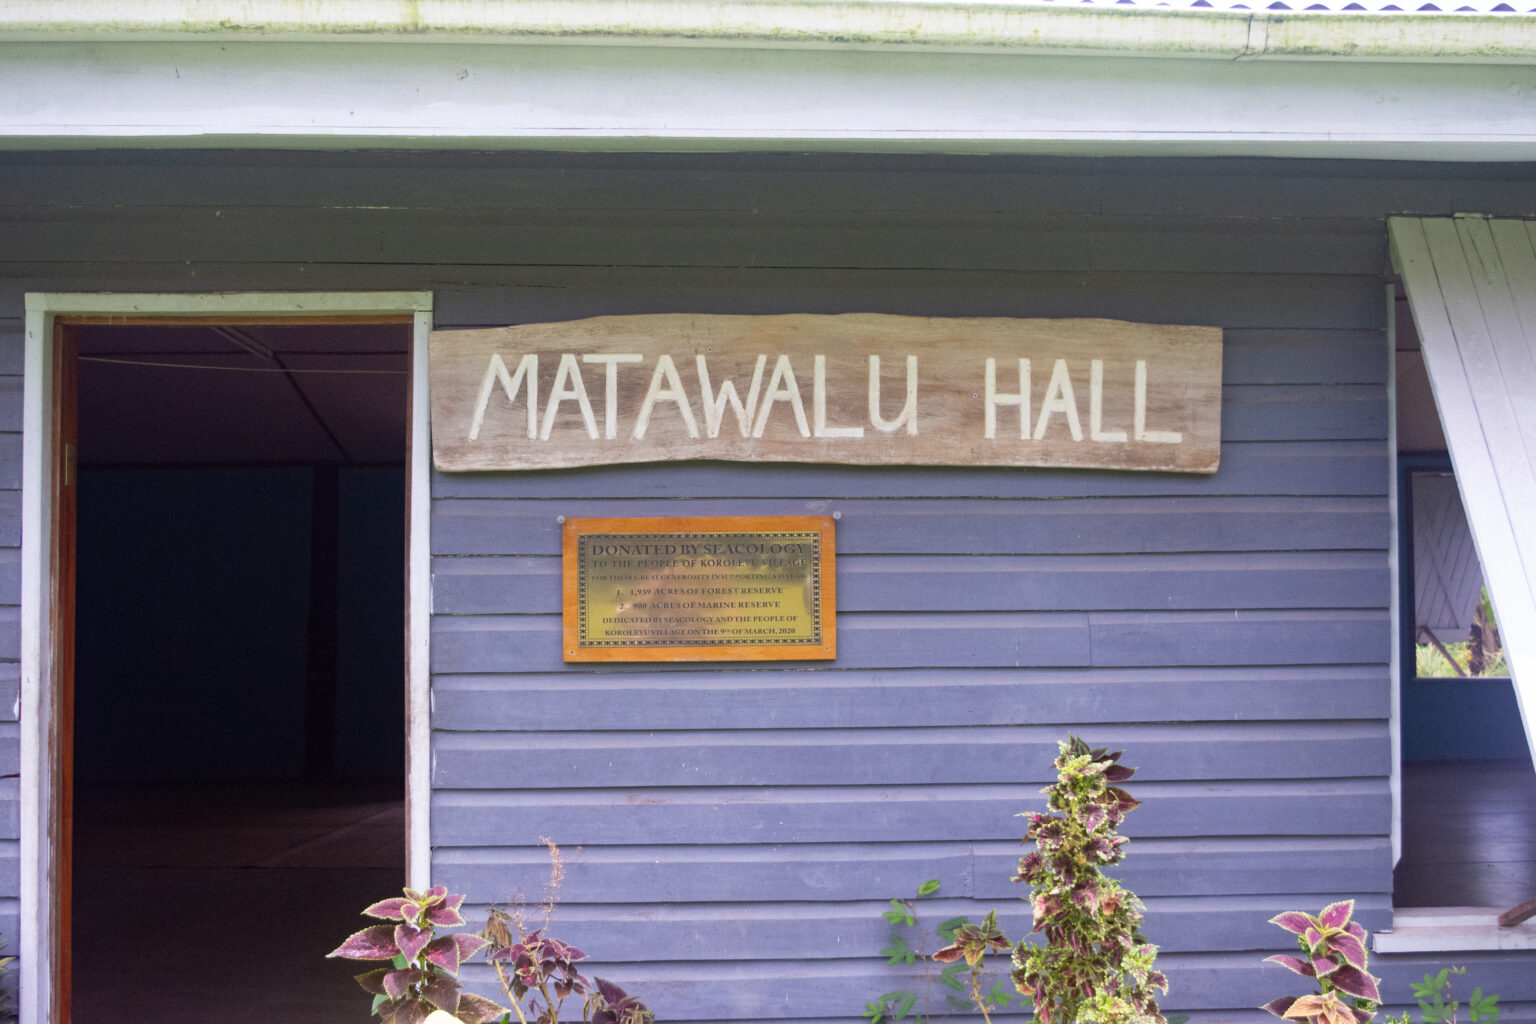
(865, 389)
(700, 589)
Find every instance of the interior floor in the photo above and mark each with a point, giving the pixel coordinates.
(1469, 834)
(217, 901)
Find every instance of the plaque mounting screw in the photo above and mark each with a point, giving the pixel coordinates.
(560, 519)
(837, 515)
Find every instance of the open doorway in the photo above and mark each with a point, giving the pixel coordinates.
(1468, 787)
(239, 686)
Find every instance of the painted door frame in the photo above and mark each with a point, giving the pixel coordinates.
(42, 931)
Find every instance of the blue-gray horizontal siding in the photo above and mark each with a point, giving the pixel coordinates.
(531, 584)
(1230, 631)
(980, 526)
(772, 812)
(1254, 468)
(732, 831)
(650, 697)
(992, 639)
(741, 931)
(738, 755)
(830, 873)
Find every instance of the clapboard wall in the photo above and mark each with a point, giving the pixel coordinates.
(732, 833)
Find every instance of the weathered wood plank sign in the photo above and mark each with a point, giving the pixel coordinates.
(700, 588)
(867, 389)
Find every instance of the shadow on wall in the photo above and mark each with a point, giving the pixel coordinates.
(193, 599)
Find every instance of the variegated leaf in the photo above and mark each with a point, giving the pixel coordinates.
(412, 1011)
(376, 942)
(411, 939)
(1351, 949)
(444, 952)
(373, 981)
(398, 983)
(1294, 921)
(447, 912)
(1300, 966)
(1311, 1007)
(1355, 982)
(475, 1009)
(389, 910)
(443, 993)
(468, 945)
(1336, 915)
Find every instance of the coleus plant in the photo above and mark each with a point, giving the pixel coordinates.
(1095, 966)
(1336, 957)
(422, 975)
(972, 942)
(541, 969)
(960, 973)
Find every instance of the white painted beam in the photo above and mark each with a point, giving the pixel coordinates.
(1372, 29)
(1469, 283)
(436, 95)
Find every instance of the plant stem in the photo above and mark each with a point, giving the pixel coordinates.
(976, 997)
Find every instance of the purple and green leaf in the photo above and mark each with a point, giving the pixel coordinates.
(376, 942)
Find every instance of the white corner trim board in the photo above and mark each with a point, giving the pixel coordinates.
(40, 725)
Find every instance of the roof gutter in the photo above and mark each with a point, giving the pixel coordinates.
(911, 25)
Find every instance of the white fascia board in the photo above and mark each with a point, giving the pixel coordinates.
(944, 25)
(447, 95)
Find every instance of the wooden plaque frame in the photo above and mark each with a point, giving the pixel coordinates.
(699, 588)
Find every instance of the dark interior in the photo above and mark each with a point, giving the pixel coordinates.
(239, 685)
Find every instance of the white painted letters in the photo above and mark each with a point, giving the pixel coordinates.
(568, 384)
(993, 399)
(665, 370)
(1140, 418)
(1059, 398)
(611, 388)
(829, 389)
(782, 385)
(819, 403)
(908, 410)
(714, 405)
(527, 368)
(1096, 429)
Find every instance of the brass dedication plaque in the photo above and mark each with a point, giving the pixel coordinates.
(699, 589)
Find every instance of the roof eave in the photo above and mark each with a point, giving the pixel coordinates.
(912, 25)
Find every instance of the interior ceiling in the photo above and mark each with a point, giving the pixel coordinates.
(244, 395)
